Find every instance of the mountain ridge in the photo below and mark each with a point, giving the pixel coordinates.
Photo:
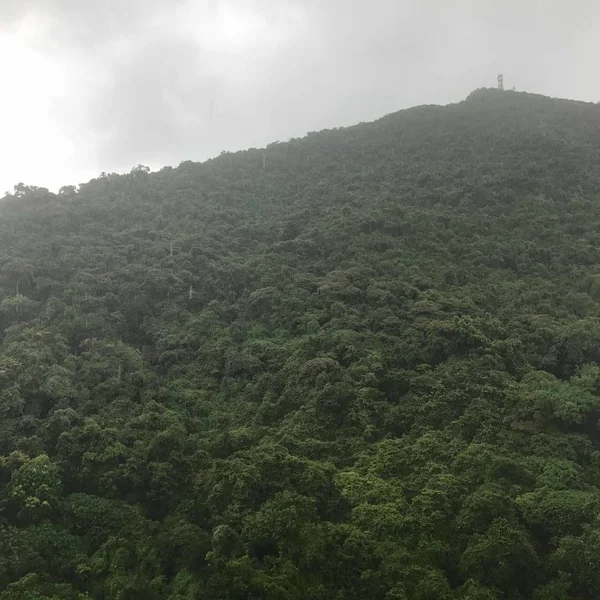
(360, 364)
(479, 95)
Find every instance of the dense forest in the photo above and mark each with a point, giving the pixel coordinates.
(360, 365)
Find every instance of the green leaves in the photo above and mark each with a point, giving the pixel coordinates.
(35, 489)
(569, 402)
(559, 512)
(502, 557)
(362, 364)
(36, 587)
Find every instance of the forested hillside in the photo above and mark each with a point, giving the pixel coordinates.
(361, 365)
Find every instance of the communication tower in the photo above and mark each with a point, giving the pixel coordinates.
(500, 81)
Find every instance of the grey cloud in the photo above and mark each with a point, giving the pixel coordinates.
(76, 25)
(157, 103)
(156, 83)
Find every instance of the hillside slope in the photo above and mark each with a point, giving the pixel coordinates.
(361, 364)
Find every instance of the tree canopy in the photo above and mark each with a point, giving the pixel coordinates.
(360, 364)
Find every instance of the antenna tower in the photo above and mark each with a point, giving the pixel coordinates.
(500, 81)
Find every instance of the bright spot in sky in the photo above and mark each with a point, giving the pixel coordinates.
(32, 149)
(236, 29)
(45, 91)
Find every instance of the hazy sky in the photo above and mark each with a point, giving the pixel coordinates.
(91, 86)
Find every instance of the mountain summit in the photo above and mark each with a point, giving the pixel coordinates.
(360, 364)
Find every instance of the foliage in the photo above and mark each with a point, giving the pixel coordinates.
(361, 364)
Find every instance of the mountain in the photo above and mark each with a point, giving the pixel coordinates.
(360, 364)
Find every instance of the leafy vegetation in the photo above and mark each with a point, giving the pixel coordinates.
(361, 364)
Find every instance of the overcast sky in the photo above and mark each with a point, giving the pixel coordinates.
(91, 86)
